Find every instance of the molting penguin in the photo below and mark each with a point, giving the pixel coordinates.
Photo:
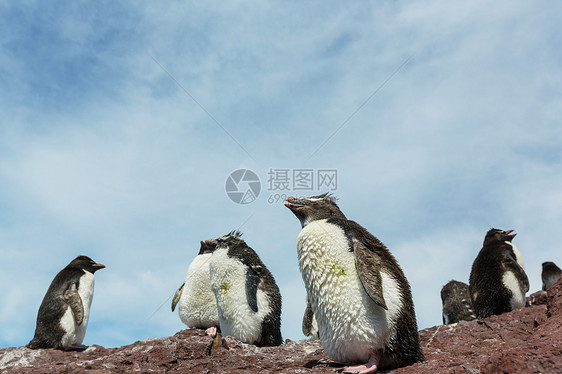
(550, 274)
(457, 305)
(197, 303)
(498, 282)
(64, 312)
(248, 299)
(358, 293)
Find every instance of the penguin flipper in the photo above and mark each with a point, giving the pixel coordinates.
(252, 282)
(307, 320)
(509, 262)
(73, 299)
(177, 296)
(369, 270)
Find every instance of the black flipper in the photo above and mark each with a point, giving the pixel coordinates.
(510, 263)
(307, 320)
(177, 296)
(72, 299)
(252, 282)
(369, 269)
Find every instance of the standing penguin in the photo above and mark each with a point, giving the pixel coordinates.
(248, 299)
(358, 293)
(498, 282)
(63, 315)
(550, 274)
(197, 303)
(457, 305)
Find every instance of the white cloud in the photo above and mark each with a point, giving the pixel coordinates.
(102, 153)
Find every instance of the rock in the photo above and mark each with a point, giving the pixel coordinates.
(187, 351)
(527, 340)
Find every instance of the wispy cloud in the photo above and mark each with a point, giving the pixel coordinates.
(101, 153)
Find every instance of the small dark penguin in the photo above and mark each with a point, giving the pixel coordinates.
(63, 315)
(457, 305)
(358, 293)
(248, 299)
(498, 282)
(550, 274)
(197, 303)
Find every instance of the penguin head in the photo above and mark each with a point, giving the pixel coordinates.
(208, 246)
(451, 288)
(495, 235)
(232, 239)
(313, 208)
(549, 266)
(85, 263)
(445, 293)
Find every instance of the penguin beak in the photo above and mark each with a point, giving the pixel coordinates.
(294, 203)
(99, 266)
(208, 246)
(508, 234)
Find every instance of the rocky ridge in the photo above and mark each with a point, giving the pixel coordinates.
(527, 340)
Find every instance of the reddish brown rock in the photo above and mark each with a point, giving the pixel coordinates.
(188, 351)
(527, 340)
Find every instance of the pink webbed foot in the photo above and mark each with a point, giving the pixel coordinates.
(211, 331)
(369, 367)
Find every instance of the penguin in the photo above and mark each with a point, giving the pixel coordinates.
(357, 291)
(457, 305)
(248, 299)
(197, 303)
(498, 282)
(309, 324)
(64, 312)
(550, 274)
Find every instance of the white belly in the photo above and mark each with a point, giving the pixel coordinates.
(228, 282)
(351, 326)
(74, 334)
(511, 282)
(518, 255)
(198, 306)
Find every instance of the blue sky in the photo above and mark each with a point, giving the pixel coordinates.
(103, 153)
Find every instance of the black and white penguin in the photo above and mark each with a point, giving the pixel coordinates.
(309, 324)
(498, 282)
(197, 304)
(457, 305)
(358, 293)
(550, 274)
(64, 312)
(248, 299)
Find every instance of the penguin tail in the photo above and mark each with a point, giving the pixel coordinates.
(32, 345)
(38, 344)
